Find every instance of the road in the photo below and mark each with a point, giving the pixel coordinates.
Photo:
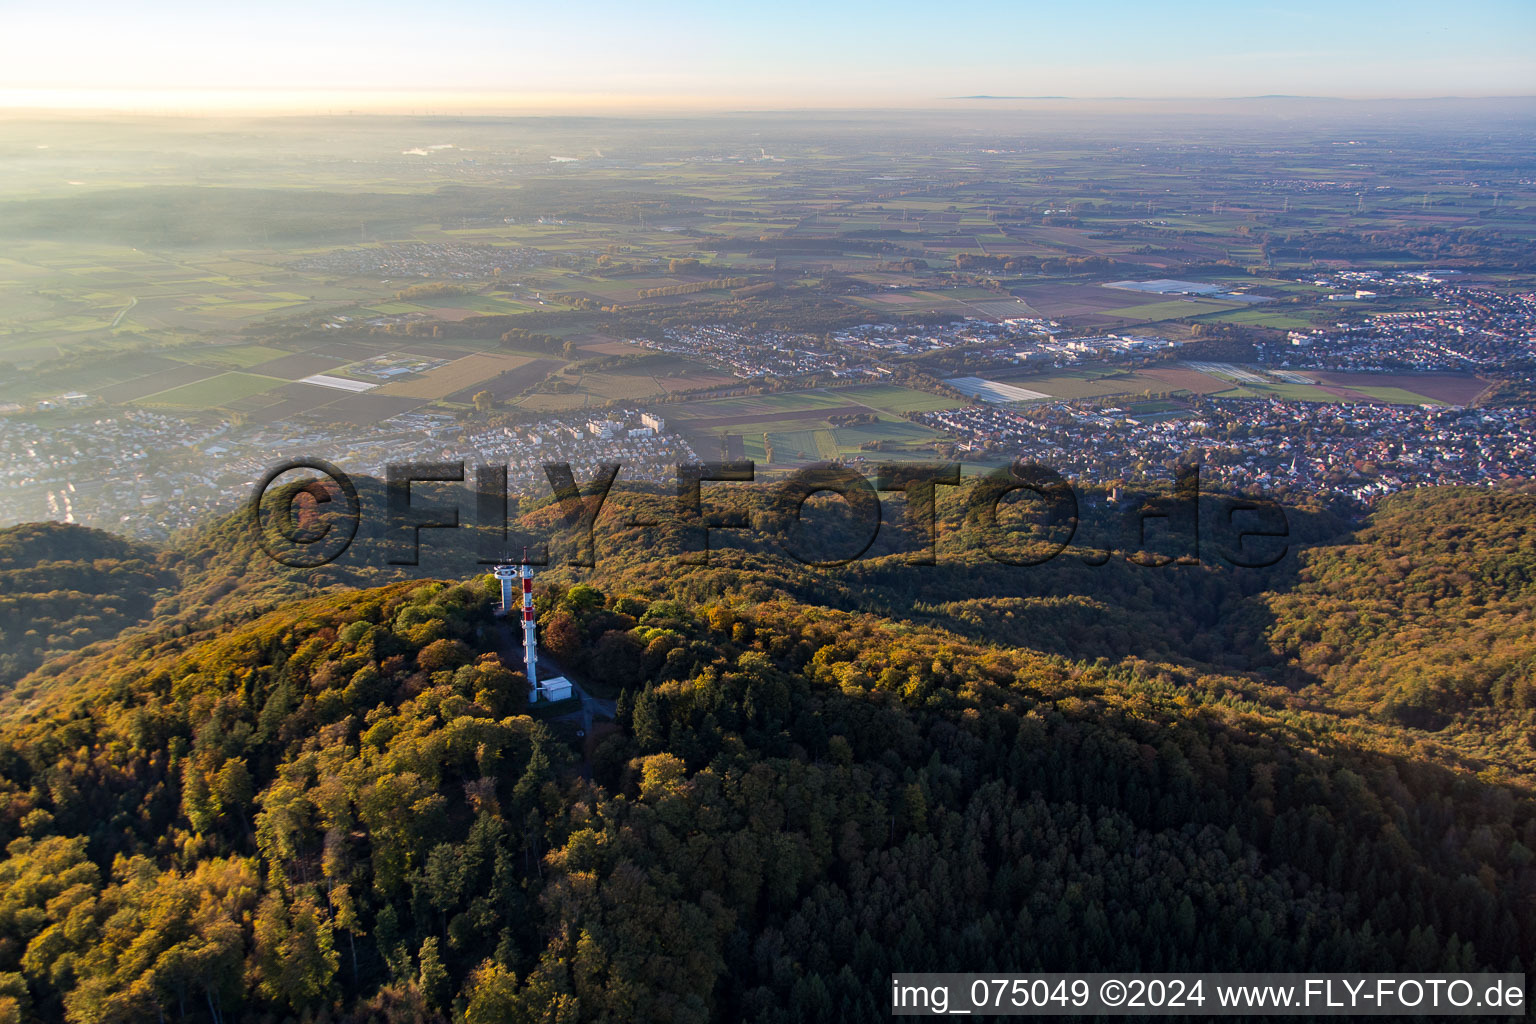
(134, 301)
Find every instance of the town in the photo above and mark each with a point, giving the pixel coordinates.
(1457, 328)
(150, 472)
(1355, 452)
(149, 475)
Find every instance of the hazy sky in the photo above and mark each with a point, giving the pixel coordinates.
(723, 53)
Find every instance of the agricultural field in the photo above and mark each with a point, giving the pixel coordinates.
(293, 400)
(229, 286)
(55, 295)
(510, 382)
(1075, 384)
(820, 444)
(762, 408)
(1171, 309)
(213, 393)
(651, 376)
(1299, 320)
(154, 383)
(1411, 388)
(1223, 380)
(1288, 391)
(694, 380)
(368, 408)
(558, 401)
(889, 432)
(788, 446)
(1182, 378)
(749, 421)
(602, 345)
(798, 423)
(618, 385)
(1060, 299)
(895, 400)
(242, 357)
(92, 378)
(461, 374)
(1228, 381)
(993, 391)
(961, 302)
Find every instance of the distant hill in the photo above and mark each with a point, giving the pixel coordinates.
(63, 587)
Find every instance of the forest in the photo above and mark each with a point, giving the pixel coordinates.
(324, 797)
(62, 587)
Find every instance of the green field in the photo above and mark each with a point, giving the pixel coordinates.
(896, 400)
(619, 385)
(240, 356)
(798, 438)
(1262, 317)
(1313, 393)
(767, 404)
(788, 446)
(1397, 396)
(213, 392)
(1283, 390)
(900, 432)
(1070, 384)
(1153, 408)
(1172, 309)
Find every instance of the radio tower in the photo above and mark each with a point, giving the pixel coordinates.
(530, 640)
(506, 574)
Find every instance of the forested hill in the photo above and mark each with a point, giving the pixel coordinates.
(1426, 617)
(62, 587)
(1416, 624)
(341, 809)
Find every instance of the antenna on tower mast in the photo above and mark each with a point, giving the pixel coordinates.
(506, 573)
(530, 635)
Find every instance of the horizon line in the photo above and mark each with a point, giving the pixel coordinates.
(252, 101)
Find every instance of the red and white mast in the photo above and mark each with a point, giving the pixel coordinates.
(506, 574)
(530, 639)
